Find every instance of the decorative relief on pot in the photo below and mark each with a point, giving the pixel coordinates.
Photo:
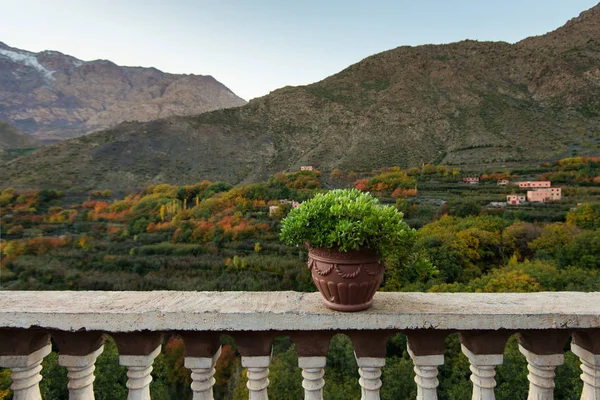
(324, 272)
(347, 274)
(372, 269)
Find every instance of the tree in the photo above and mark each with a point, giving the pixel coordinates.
(85, 241)
(402, 205)
(362, 184)
(583, 251)
(443, 170)
(466, 208)
(338, 176)
(54, 382)
(285, 376)
(509, 281)
(553, 239)
(110, 376)
(586, 216)
(5, 384)
(341, 373)
(516, 238)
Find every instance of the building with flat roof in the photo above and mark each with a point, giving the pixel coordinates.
(543, 195)
(515, 199)
(535, 184)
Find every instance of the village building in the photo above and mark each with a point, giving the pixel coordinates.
(535, 184)
(515, 199)
(543, 195)
(503, 182)
(471, 180)
(307, 168)
(293, 203)
(273, 210)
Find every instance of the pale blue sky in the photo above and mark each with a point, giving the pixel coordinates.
(256, 46)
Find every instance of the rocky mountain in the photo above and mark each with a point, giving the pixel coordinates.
(54, 96)
(466, 103)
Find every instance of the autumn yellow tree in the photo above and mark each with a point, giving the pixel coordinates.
(586, 216)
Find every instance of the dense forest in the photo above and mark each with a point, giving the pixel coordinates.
(214, 236)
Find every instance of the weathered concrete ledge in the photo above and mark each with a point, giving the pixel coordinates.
(264, 311)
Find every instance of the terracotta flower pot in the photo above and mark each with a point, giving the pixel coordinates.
(347, 280)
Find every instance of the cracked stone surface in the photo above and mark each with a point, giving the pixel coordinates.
(263, 311)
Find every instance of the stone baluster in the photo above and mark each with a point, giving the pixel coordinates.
(485, 351)
(483, 371)
(313, 371)
(23, 352)
(255, 348)
(137, 351)
(203, 371)
(541, 373)
(586, 345)
(369, 350)
(25, 373)
(139, 369)
(590, 365)
(544, 352)
(426, 372)
(78, 352)
(369, 369)
(258, 376)
(312, 348)
(80, 372)
(202, 350)
(426, 349)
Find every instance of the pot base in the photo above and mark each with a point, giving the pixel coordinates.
(347, 307)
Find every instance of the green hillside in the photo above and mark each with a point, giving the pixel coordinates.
(466, 103)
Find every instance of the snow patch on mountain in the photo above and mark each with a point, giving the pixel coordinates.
(28, 60)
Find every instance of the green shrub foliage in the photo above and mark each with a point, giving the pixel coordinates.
(349, 220)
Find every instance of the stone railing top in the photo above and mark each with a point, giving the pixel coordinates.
(289, 311)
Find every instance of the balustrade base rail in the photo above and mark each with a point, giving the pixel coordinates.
(79, 321)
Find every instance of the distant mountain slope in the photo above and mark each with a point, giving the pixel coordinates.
(168, 150)
(55, 96)
(462, 104)
(12, 138)
(14, 143)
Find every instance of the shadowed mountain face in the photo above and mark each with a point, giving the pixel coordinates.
(14, 143)
(464, 103)
(54, 96)
(12, 138)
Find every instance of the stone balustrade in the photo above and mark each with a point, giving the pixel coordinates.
(138, 322)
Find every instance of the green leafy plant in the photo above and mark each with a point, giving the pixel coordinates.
(349, 220)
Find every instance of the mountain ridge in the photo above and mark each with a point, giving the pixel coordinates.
(461, 103)
(54, 96)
